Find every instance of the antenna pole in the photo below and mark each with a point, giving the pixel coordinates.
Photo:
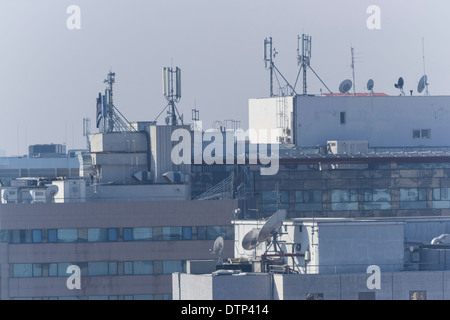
(353, 70)
(268, 60)
(427, 93)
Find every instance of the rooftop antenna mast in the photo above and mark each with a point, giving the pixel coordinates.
(424, 81)
(353, 70)
(109, 118)
(172, 92)
(269, 54)
(304, 61)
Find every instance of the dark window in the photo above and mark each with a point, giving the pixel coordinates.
(187, 233)
(342, 117)
(416, 134)
(113, 234)
(366, 295)
(52, 235)
(37, 236)
(128, 234)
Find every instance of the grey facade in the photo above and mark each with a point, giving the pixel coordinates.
(124, 250)
(394, 286)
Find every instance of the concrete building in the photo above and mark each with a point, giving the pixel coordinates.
(124, 250)
(332, 259)
(383, 121)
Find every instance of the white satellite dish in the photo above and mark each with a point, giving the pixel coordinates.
(272, 225)
(51, 191)
(5, 195)
(250, 240)
(370, 85)
(218, 248)
(345, 86)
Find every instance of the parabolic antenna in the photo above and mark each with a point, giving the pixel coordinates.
(250, 240)
(345, 86)
(218, 246)
(422, 84)
(51, 191)
(272, 225)
(370, 85)
(5, 195)
(400, 83)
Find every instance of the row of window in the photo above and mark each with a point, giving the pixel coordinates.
(374, 199)
(102, 268)
(116, 234)
(413, 295)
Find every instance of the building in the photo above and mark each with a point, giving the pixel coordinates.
(125, 250)
(332, 259)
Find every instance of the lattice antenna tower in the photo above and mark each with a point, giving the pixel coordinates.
(304, 61)
(109, 118)
(269, 54)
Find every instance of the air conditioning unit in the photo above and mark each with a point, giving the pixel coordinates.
(38, 196)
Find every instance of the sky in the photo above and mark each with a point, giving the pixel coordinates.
(50, 75)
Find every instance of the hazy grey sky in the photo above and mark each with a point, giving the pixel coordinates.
(50, 75)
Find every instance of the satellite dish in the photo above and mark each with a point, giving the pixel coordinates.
(345, 86)
(250, 240)
(370, 85)
(218, 246)
(5, 195)
(51, 191)
(400, 83)
(272, 225)
(422, 84)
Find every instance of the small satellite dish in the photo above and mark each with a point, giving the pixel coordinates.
(370, 85)
(422, 84)
(218, 249)
(51, 191)
(400, 83)
(345, 86)
(5, 195)
(272, 225)
(218, 246)
(250, 240)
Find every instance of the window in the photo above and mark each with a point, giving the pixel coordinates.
(98, 268)
(418, 295)
(22, 270)
(52, 235)
(142, 234)
(67, 235)
(342, 117)
(314, 296)
(344, 200)
(97, 235)
(172, 233)
(36, 236)
(143, 267)
(171, 266)
(212, 232)
(441, 198)
(271, 201)
(113, 234)
(187, 233)
(201, 233)
(413, 198)
(128, 234)
(426, 134)
(366, 296)
(308, 200)
(377, 199)
(421, 134)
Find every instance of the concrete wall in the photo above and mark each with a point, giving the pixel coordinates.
(383, 121)
(263, 115)
(351, 247)
(393, 286)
